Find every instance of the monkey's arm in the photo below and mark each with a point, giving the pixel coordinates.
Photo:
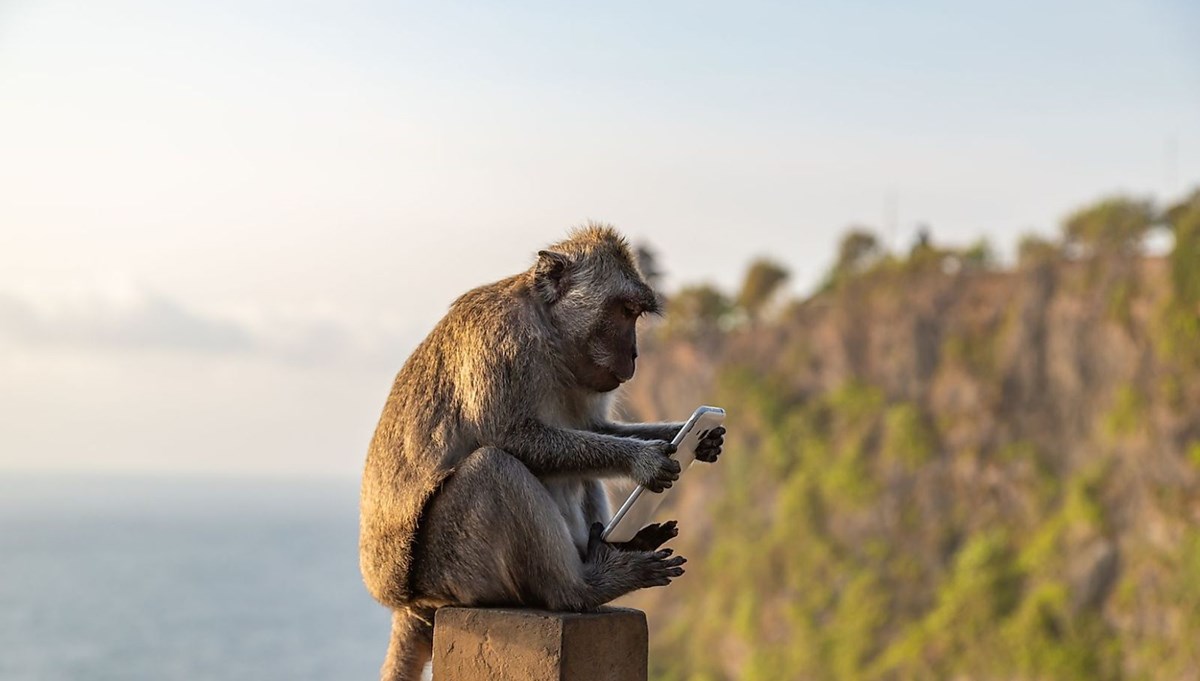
(707, 450)
(640, 431)
(549, 451)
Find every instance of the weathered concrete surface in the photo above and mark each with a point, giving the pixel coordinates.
(485, 644)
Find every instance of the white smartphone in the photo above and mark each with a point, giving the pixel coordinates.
(637, 510)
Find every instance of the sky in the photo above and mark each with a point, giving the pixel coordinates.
(224, 225)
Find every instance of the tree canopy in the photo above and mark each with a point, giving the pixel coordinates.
(762, 281)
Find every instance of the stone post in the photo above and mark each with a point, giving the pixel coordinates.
(485, 644)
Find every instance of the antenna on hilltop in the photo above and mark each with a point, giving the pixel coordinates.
(1171, 164)
(890, 211)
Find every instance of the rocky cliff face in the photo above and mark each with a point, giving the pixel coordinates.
(938, 471)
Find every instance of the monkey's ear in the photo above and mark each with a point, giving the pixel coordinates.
(550, 274)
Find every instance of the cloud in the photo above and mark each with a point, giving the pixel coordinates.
(133, 319)
(153, 324)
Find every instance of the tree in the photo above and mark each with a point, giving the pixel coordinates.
(697, 311)
(1173, 214)
(762, 281)
(1034, 250)
(979, 255)
(647, 263)
(1113, 226)
(858, 250)
(1185, 258)
(1182, 316)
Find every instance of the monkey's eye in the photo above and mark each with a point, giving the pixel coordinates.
(632, 311)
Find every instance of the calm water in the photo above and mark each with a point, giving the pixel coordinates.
(143, 578)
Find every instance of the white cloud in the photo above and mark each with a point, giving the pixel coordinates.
(128, 318)
(113, 375)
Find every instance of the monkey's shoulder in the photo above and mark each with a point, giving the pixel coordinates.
(504, 315)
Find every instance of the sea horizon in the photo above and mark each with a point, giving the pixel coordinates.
(169, 575)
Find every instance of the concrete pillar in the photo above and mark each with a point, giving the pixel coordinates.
(485, 644)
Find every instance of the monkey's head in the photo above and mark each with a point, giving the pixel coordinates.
(594, 294)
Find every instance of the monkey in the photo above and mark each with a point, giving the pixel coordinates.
(483, 482)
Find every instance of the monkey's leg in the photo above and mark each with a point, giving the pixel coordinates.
(494, 536)
(411, 646)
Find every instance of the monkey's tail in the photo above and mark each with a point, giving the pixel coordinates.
(411, 646)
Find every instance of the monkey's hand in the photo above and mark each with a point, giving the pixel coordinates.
(709, 446)
(650, 537)
(653, 467)
(650, 568)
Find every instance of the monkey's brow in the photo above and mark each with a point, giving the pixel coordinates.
(645, 299)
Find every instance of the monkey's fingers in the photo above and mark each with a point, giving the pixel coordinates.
(665, 554)
(710, 446)
(672, 567)
(708, 454)
(653, 536)
(667, 474)
(666, 532)
(664, 567)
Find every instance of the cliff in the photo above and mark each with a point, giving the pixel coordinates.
(940, 469)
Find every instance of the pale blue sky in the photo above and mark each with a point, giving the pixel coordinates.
(223, 225)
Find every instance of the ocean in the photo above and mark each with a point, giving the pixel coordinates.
(127, 578)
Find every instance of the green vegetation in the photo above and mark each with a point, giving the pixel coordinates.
(1127, 412)
(1112, 226)
(762, 282)
(1181, 317)
(945, 475)
(698, 312)
(1034, 250)
(857, 251)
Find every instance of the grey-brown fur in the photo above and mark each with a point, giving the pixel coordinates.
(483, 481)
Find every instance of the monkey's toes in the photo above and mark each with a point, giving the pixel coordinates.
(656, 534)
(662, 567)
(674, 562)
(668, 558)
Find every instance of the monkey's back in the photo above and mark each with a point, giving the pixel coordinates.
(432, 421)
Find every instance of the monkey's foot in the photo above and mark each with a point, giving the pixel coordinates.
(657, 568)
(650, 537)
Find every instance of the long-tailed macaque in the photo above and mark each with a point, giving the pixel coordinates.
(483, 483)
